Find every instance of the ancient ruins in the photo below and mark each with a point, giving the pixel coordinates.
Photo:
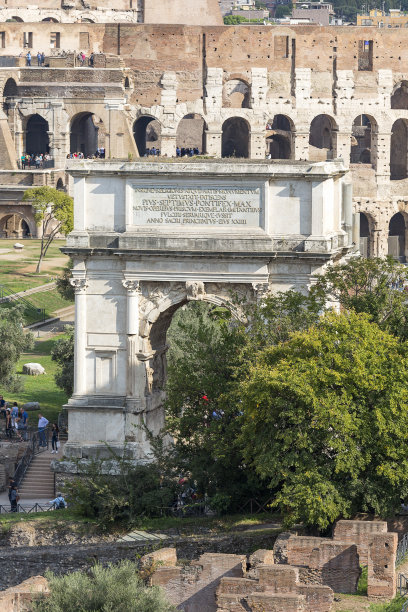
(294, 93)
(151, 236)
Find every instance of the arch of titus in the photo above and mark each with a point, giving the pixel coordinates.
(152, 236)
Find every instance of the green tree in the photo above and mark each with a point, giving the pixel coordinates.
(326, 420)
(13, 342)
(234, 20)
(282, 10)
(205, 350)
(64, 287)
(63, 354)
(104, 589)
(374, 286)
(54, 212)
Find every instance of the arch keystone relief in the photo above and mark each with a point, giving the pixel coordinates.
(223, 232)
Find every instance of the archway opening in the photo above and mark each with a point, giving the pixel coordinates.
(279, 133)
(147, 135)
(191, 135)
(236, 94)
(322, 138)
(397, 237)
(60, 185)
(16, 18)
(361, 141)
(127, 83)
(37, 138)
(14, 226)
(364, 236)
(235, 138)
(10, 91)
(87, 135)
(398, 151)
(399, 99)
(51, 19)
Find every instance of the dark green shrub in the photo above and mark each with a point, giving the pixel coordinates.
(105, 589)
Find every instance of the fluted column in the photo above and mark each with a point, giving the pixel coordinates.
(132, 287)
(80, 284)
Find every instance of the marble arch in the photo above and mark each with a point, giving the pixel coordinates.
(149, 238)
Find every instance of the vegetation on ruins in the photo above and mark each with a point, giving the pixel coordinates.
(54, 212)
(13, 342)
(64, 287)
(116, 587)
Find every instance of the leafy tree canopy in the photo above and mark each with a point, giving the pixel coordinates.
(374, 286)
(13, 342)
(63, 354)
(326, 420)
(54, 212)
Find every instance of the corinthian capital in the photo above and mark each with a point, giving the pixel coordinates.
(79, 284)
(131, 285)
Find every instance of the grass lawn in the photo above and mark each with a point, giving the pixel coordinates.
(17, 269)
(227, 523)
(40, 388)
(50, 301)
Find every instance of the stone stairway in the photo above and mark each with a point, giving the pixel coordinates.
(38, 483)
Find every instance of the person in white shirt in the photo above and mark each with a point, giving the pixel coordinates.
(42, 425)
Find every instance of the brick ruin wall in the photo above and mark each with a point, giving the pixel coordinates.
(310, 84)
(301, 573)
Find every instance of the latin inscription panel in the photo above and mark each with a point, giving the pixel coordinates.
(216, 206)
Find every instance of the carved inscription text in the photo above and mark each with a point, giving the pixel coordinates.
(215, 206)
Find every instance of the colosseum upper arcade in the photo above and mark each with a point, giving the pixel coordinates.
(301, 92)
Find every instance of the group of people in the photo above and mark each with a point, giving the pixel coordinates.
(34, 160)
(16, 420)
(187, 152)
(59, 502)
(40, 59)
(99, 154)
(81, 57)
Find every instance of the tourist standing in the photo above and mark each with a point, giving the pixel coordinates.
(55, 438)
(42, 59)
(24, 418)
(23, 161)
(28, 59)
(38, 59)
(14, 414)
(9, 428)
(14, 497)
(42, 425)
(91, 60)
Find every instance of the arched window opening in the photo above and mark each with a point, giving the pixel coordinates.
(398, 152)
(361, 141)
(127, 83)
(10, 91)
(87, 135)
(51, 19)
(87, 20)
(399, 99)
(147, 134)
(397, 238)
(15, 18)
(364, 236)
(191, 136)
(236, 94)
(322, 138)
(235, 138)
(37, 138)
(279, 134)
(60, 185)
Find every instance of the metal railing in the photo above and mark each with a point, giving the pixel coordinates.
(405, 607)
(34, 448)
(27, 509)
(402, 550)
(402, 585)
(38, 314)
